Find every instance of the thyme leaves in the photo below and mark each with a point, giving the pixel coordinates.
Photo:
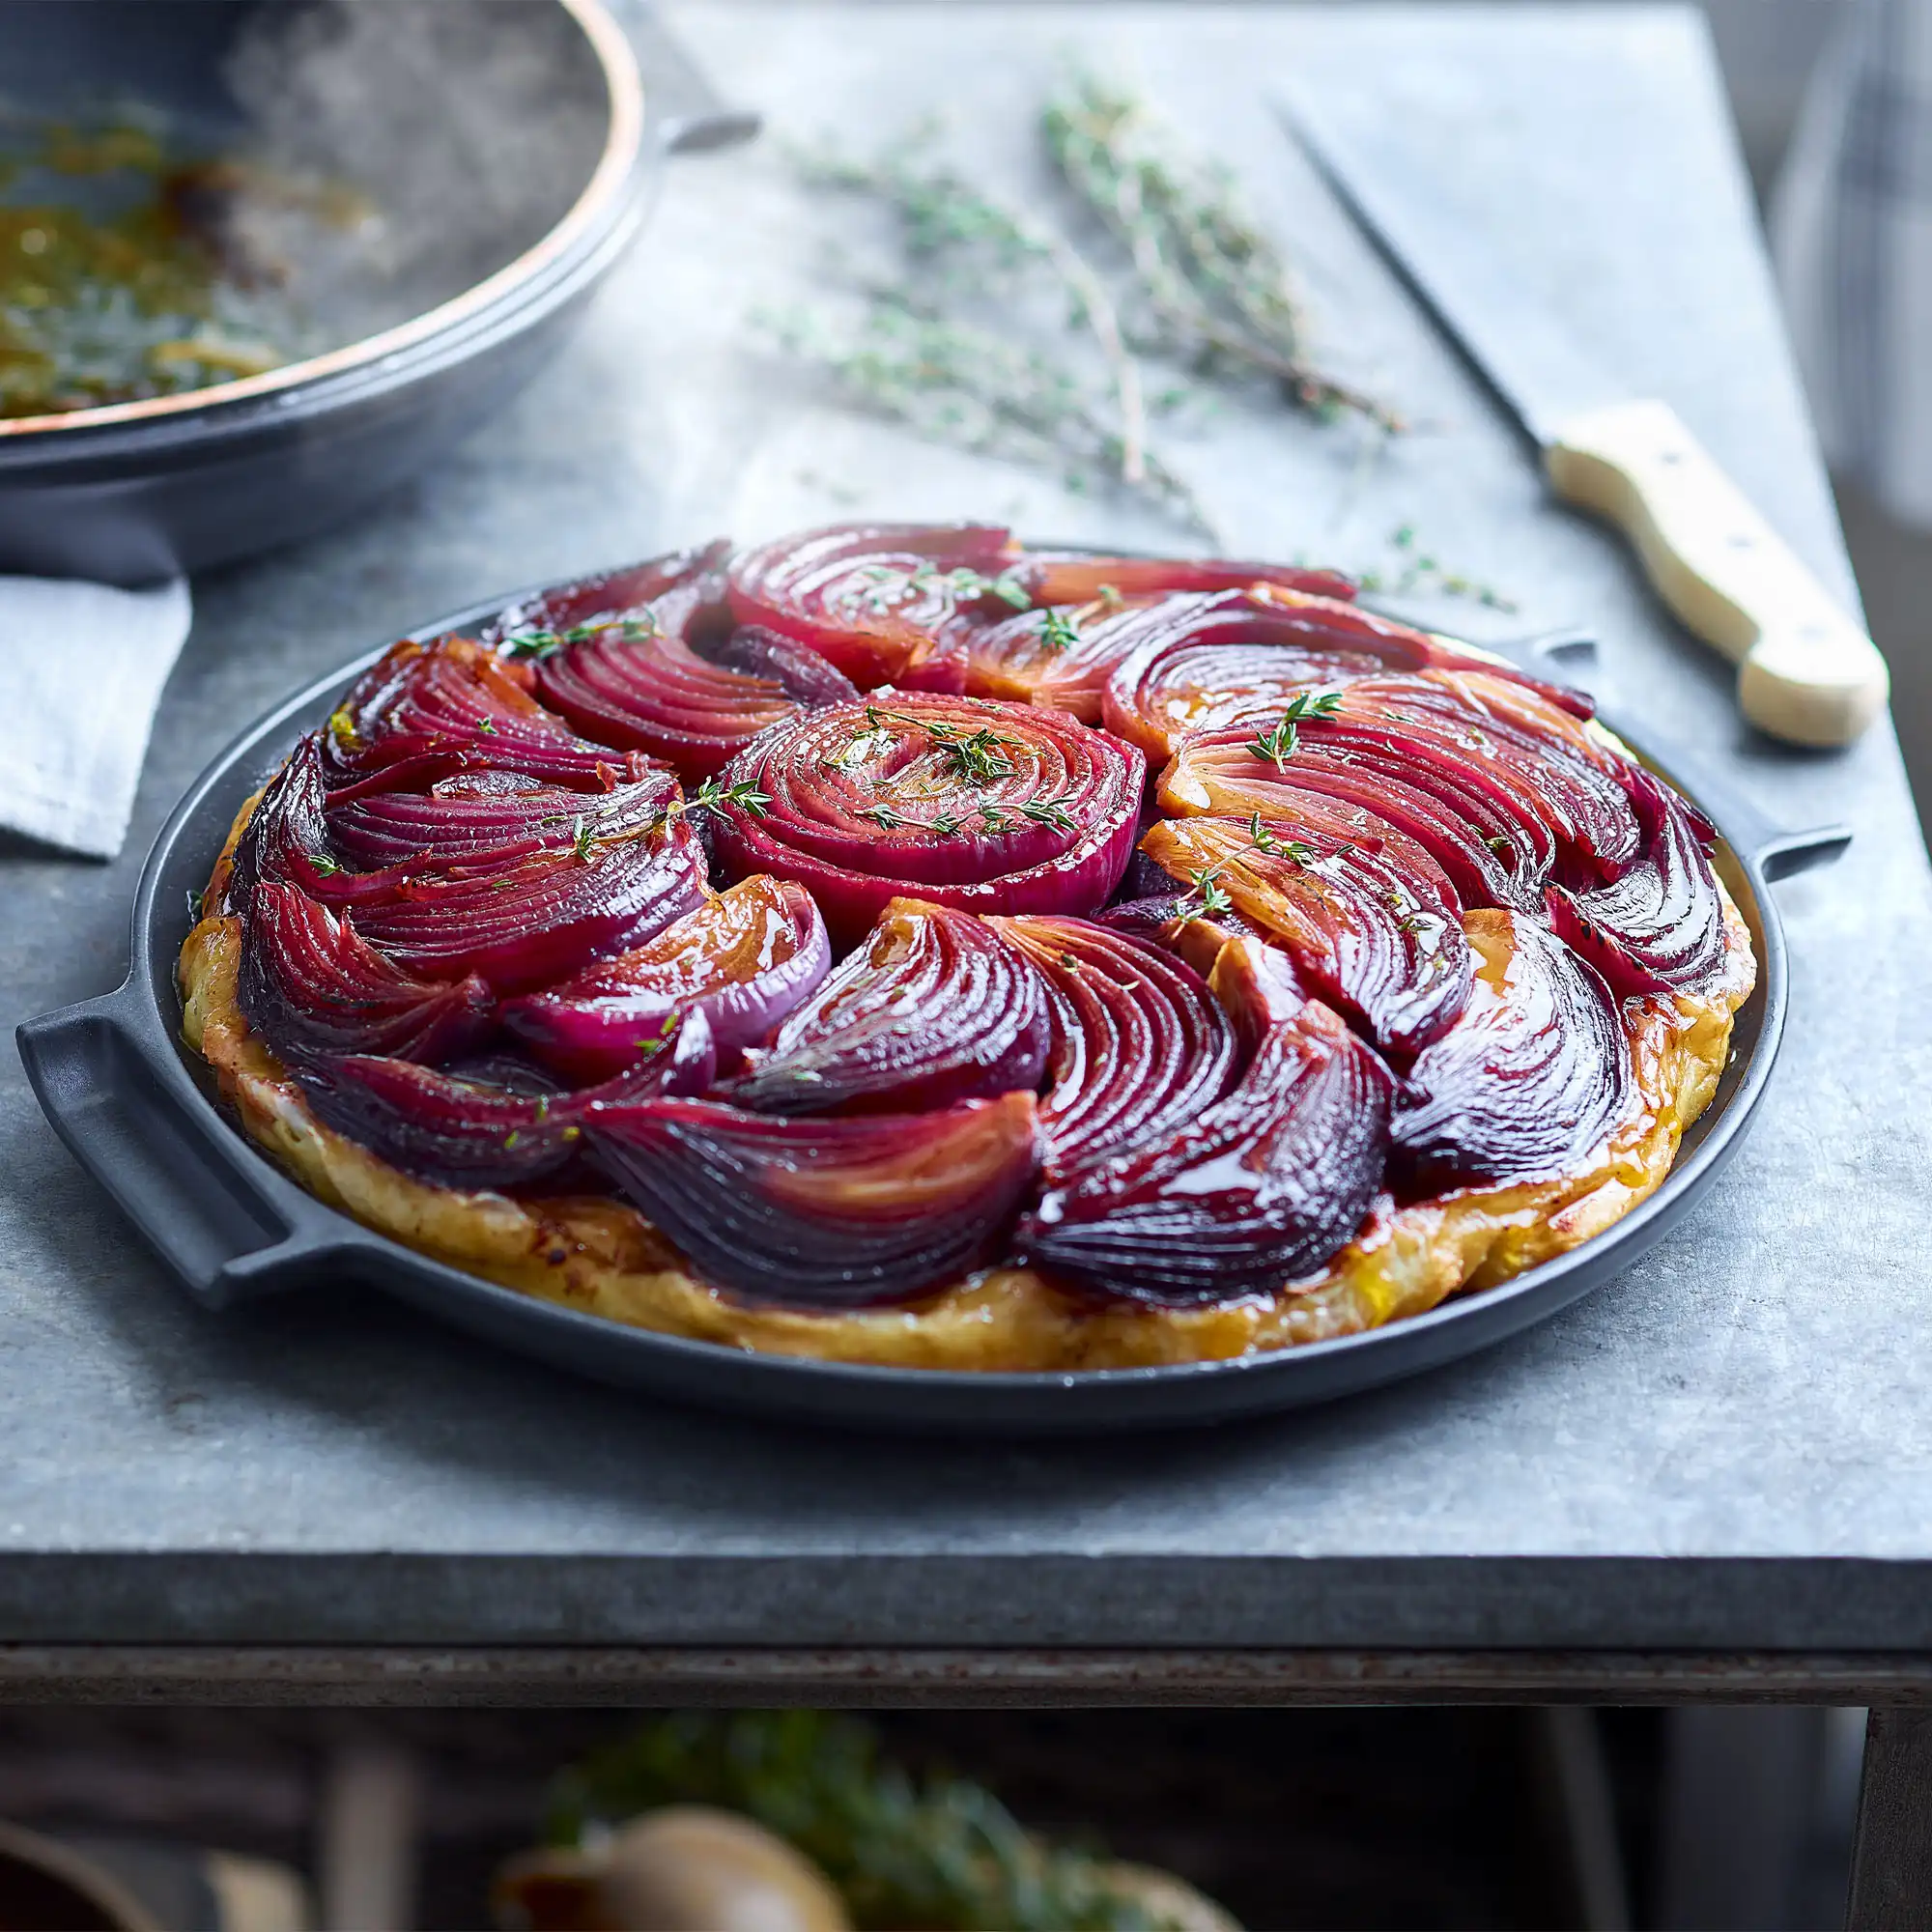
(1276, 747)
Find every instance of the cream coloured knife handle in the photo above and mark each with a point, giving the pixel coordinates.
(1807, 672)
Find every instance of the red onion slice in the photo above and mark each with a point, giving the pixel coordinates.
(744, 960)
(1380, 946)
(1660, 928)
(425, 712)
(830, 1211)
(611, 594)
(1529, 1080)
(526, 925)
(1491, 853)
(879, 601)
(934, 1008)
(1262, 1188)
(1139, 1046)
(1194, 663)
(645, 691)
(481, 821)
(1060, 657)
(475, 1130)
(310, 983)
(978, 806)
(1084, 580)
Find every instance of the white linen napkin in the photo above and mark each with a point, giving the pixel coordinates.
(81, 671)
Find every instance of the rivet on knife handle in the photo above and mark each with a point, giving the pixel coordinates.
(1807, 674)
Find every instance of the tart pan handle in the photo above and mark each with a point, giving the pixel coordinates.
(1775, 851)
(217, 1213)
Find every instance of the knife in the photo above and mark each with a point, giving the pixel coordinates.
(1806, 671)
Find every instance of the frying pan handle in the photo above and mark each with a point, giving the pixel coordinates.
(220, 1216)
(688, 115)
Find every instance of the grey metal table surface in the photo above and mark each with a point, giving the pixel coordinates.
(1717, 1470)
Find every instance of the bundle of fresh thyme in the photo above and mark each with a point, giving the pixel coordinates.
(1192, 281)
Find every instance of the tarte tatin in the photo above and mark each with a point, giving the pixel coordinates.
(895, 945)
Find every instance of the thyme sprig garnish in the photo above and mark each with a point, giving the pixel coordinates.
(1209, 892)
(962, 582)
(711, 796)
(1051, 811)
(1297, 851)
(1277, 746)
(974, 756)
(536, 645)
(1058, 631)
(1218, 292)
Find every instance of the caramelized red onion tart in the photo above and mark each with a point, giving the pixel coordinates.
(311, 983)
(689, 578)
(1196, 662)
(1058, 657)
(1529, 1080)
(424, 712)
(971, 804)
(934, 1008)
(1260, 1188)
(1415, 979)
(500, 1124)
(1086, 580)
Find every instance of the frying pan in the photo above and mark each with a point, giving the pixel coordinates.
(135, 1108)
(501, 158)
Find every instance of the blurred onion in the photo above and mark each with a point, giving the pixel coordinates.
(878, 601)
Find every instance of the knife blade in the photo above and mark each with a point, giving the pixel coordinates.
(1807, 670)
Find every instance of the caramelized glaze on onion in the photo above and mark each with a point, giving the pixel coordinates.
(743, 959)
(1264, 1186)
(1529, 1080)
(1380, 947)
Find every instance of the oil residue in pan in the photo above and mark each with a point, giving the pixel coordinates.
(371, 163)
(126, 270)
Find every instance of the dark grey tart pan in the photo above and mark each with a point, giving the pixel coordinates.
(135, 1107)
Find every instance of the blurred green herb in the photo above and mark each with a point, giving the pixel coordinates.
(942, 1853)
(1217, 290)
